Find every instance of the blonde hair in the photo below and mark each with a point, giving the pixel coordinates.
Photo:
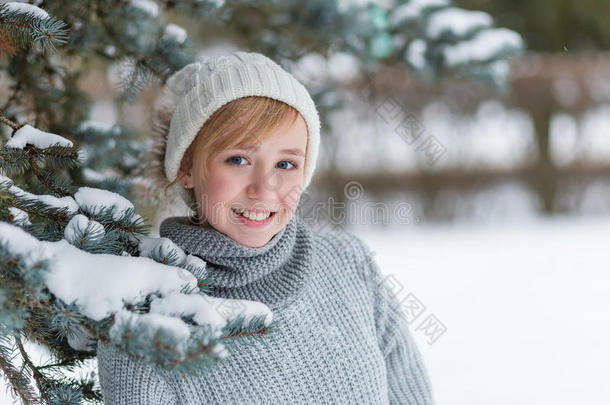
(257, 116)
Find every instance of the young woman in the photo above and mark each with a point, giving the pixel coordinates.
(241, 148)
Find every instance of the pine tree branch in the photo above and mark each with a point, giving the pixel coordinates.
(10, 123)
(29, 27)
(60, 364)
(55, 215)
(39, 174)
(38, 377)
(16, 380)
(262, 331)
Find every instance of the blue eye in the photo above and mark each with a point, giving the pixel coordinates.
(234, 160)
(290, 162)
(231, 161)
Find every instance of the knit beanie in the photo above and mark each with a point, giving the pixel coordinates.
(202, 87)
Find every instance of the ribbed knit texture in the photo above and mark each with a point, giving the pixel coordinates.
(339, 340)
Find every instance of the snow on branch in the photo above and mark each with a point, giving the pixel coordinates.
(174, 33)
(20, 217)
(94, 201)
(146, 6)
(105, 285)
(27, 9)
(457, 22)
(81, 228)
(5, 182)
(33, 136)
(485, 45)
(66, 203)
(26, 24)
(99, 284)
(413, 9)
(92, 125)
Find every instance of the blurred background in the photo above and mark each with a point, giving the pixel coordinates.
(478, 172)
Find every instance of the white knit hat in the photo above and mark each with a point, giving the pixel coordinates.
(201, 88)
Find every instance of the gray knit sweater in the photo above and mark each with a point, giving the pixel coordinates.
(340, 337)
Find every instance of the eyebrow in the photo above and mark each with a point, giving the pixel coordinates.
(293, 151)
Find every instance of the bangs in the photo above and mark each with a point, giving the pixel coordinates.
(257, 117)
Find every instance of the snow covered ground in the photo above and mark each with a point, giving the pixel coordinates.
(525, 308)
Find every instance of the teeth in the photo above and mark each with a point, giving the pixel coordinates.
(251, 215)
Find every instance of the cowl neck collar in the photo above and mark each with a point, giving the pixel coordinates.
(273, 274)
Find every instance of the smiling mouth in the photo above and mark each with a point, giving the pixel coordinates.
(252, 216)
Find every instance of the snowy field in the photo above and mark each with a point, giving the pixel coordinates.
(525, 308)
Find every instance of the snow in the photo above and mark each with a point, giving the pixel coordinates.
(149, 7)
(596, 126)
(19, 216)
(40, 139)
(162, 246)
(493, 136)
(233, 308)
(564, 138)
(96, 126)
(27, 8)
(456, 21)
(5, 182)
(19, 241)
(210, 310)
(310, 68)
(217, 3)
(415, 53)
(129, 160)
(175, 33)
(83, 155)
(92, 175)
(110, 50)
(67, 203)
(152, 324)
(483, 46)
(342, 67)
(99, 283)
(199, 306)
(524, 303)
(194, 261)
(585, 138)
(94, 200)
(499, 70)
(413, 9)
(344, 6)
(75, 229)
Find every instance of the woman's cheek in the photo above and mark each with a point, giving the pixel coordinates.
(291, 197)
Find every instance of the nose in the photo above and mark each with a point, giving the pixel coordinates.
(263, 186)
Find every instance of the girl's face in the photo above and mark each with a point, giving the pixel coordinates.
(264, 179)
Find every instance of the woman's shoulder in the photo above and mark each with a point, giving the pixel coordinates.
(344, 244)
(340, 237)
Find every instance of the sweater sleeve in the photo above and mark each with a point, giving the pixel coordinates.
(125, 380)
(408, 381)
